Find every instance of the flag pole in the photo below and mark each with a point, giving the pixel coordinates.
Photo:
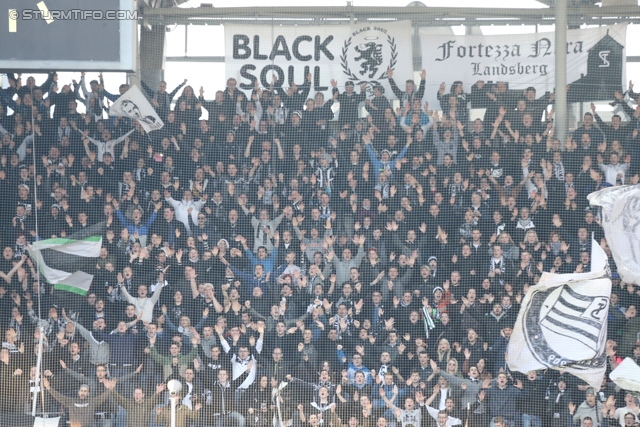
(41, 328)
(38, 366)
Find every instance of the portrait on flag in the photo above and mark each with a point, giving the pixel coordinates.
(134, 105)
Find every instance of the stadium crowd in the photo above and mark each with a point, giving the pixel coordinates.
(292, 268)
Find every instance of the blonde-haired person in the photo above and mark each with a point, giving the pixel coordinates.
(532, 244)
(443, 355)
(453, 368)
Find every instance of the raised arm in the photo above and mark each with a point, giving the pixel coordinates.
(128, 297)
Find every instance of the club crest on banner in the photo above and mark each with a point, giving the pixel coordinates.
(373, 51)
(563, 327)
(319, 54)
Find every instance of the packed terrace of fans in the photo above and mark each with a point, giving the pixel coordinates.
(289, 266)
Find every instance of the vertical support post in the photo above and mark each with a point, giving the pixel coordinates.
(173, 410)
(561, 71)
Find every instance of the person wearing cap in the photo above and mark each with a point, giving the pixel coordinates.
(349, 102)
(384, 164)
(590, 408)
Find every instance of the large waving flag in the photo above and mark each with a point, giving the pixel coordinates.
(67, 263)
(627, 375)
(133, 104)
(562, 323)
(620, 220)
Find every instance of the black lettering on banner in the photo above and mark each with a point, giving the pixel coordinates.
(487, 51)
(277, 70)
(244, 72)
(241, 44)
(316, 80)
(256, 49)
(541, 47)
(296, 48)
(322, 47)
(291, 76)
(446, 50)
(498, 51)
(477, 69)
(280, 48)
(578, 47)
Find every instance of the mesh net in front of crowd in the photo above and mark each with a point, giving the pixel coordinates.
(338, 228)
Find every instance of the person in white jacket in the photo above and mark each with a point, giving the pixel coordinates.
(143, 303)
(614, 172)
(185, 207)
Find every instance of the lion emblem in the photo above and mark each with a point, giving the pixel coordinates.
(371, 54)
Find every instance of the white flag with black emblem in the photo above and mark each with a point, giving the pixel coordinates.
(133, 104)
(562, 323)
(620, 220)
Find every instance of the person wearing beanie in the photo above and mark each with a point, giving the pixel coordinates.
(591, 408)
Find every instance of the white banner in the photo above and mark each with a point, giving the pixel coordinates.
(562, 323)
(523, 60)
(360, 53)
(620, 219)
(133, 104)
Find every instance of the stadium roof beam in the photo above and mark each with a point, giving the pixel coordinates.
(423, 16)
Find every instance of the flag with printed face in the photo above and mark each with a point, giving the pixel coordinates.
(620, 220)
(67, 262)
(133, 104)
(562, 323)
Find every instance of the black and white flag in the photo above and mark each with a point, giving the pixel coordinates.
(133, 104)
(562, 323)
(620, 219)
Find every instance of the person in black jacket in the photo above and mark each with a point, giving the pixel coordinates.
(411, 92)
(349, 102)
(161, 99)
(223, 401)
(256, 403)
